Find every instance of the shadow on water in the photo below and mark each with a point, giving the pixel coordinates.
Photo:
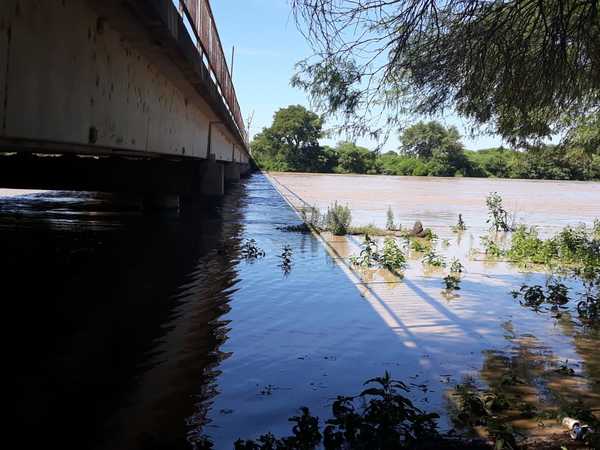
(114, 316)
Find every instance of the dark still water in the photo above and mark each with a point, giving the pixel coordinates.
(133, 330)
(149, 331)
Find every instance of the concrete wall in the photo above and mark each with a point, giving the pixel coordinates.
(70, 77)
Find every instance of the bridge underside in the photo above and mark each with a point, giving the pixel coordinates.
(119, 89)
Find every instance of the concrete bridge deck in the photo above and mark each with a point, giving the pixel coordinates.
(117, 95)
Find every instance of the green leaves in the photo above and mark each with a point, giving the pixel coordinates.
(522, 69)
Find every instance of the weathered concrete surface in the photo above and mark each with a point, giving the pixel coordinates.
(74, 80)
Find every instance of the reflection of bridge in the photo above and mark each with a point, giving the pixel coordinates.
(117, 95)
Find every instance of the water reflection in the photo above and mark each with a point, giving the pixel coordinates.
(114, 316)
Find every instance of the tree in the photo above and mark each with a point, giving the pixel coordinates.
(439, 146)
(355, 159)
(291, 142)
(422, 139)
(520, 67)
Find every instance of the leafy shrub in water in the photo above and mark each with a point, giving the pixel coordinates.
(286, 259)
(589, 304)
(492, 249)
(476, 407)
(574, 247)
(378, 418)
(420, 246)
(431, 258)
(312, 216)
(499, 219)
(392, 257)
(451, 282)
(249, 250)
(390, 225)
(532, 296)
(526, 246)
(460, 225)
(556, 295)
(338, 219)
(369, 254)
(456, 266)
(429, 235)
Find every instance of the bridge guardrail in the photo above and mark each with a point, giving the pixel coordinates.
(200, 17)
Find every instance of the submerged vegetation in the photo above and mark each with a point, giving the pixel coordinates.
(391, 257)
(451, 282)
(499, 218)
(338, 219)
(286, 259)
(460, 225)
(369, 254)
(555, 297)
(249, 250)
(378, 418)
(575, 248)
(433, 259)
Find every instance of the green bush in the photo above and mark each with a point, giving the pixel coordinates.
(392, 257)
(338, 219)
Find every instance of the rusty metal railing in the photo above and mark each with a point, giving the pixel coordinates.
(200, 17)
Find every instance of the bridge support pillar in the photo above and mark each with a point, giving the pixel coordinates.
(232, 172)
(211, 180)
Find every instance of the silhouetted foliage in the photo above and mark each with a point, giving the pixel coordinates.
(522, 68)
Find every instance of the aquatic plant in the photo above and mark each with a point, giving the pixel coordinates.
(574, 248)
(526, 246)
(491, 248)
(369, 254)
(498, 217)
(532, 296)
(460, 225)
(392, 257)
(557, 294)
(451, 282)
(428, 234)
(296, 228)
(371, 230)
(588, 307)
(420, 246)
(433, 259)
(390, 225)
(312, 217)
(456, 266)
(379, 418)
(475, 406)
(338, 219)
(249, 250)
(286, 259)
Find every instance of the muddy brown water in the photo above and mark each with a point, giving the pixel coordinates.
(131, 330)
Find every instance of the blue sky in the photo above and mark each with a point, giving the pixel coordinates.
(267, 45)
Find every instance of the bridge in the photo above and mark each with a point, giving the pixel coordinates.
(119, 96)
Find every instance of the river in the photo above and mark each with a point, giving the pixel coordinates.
(132, 330)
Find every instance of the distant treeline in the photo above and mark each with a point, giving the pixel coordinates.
(426, 149)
